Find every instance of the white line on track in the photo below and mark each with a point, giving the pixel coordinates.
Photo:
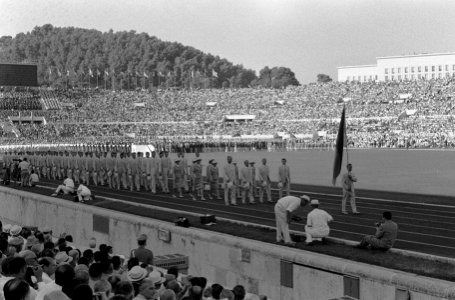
(377, 199)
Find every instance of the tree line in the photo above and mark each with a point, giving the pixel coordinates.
(87, 57)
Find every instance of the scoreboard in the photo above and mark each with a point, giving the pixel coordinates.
(18, 75)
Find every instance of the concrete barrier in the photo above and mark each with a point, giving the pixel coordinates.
(277, 271)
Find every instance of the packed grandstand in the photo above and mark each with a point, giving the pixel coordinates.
(410, 114)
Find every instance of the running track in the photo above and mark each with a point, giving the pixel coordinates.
(426, 223)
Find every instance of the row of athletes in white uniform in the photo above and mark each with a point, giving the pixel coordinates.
(133, 170)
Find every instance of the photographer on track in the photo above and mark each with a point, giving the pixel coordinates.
(386, 234)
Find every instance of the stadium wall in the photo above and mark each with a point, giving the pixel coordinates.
(277, 271)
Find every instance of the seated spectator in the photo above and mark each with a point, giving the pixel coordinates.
(34, 179)
(386, 234)
(169, 295)
(102, 289)
(146, 290)
(82, 291)
(67, 187)
(83, 193)
(227, 294)
(125, 289)
(49, 266)
(317, 226)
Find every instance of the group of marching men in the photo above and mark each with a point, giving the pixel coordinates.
(133, 171)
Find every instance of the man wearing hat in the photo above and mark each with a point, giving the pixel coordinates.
(178, 174)
(143, 254)
(284, 175)
(166, 165)
(15, 231)
(348, 180)
(196, 173)
(283, 215)
(245, 181)
(317, 225)
(83, 193)
(229, 182)
(264, 180)
(254, 190)
(213, 175)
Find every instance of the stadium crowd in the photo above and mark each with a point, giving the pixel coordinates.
(379, 114)
(36, 265)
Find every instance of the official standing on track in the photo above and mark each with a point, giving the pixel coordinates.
(348, 180)
(283, 214)
(284, 175)
(264, 181)
(229, 183)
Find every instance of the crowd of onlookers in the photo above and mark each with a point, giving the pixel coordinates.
(34, 265)
(380, 114)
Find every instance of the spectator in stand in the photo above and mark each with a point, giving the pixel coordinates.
(146, 291)
(239, 292)
(16, 289)
(67, 187)
(143, 254)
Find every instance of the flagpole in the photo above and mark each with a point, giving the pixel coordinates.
(346, 139)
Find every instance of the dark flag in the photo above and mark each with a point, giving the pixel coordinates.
(339, 147)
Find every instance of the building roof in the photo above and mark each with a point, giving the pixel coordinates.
(415, 55)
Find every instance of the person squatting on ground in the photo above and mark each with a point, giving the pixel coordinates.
(386, 234)
(83, 193)
(67, 187)
(317, 225)
(348, 180)
(284, 175)
(33, 180)
(283, 215)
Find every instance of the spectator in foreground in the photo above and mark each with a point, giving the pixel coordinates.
(317, 226)
(16, 289)
(67, 187)
(386, 234)
(143, 254)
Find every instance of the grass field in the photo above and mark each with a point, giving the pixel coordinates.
(410, 171)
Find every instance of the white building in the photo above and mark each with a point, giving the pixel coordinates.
(403, 67)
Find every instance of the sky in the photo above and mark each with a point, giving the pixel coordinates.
(309, 37)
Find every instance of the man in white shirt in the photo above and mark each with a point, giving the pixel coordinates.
(348, 180)
(317, 226)
(34, 179)
(83, 193)
(24, 166)
(283, 215)
(67, 187)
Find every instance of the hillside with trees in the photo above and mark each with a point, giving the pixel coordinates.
(74, 57)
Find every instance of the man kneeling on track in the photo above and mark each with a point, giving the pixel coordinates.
(84, 194)
(317, 223)
(386, 234)
(67, 187)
